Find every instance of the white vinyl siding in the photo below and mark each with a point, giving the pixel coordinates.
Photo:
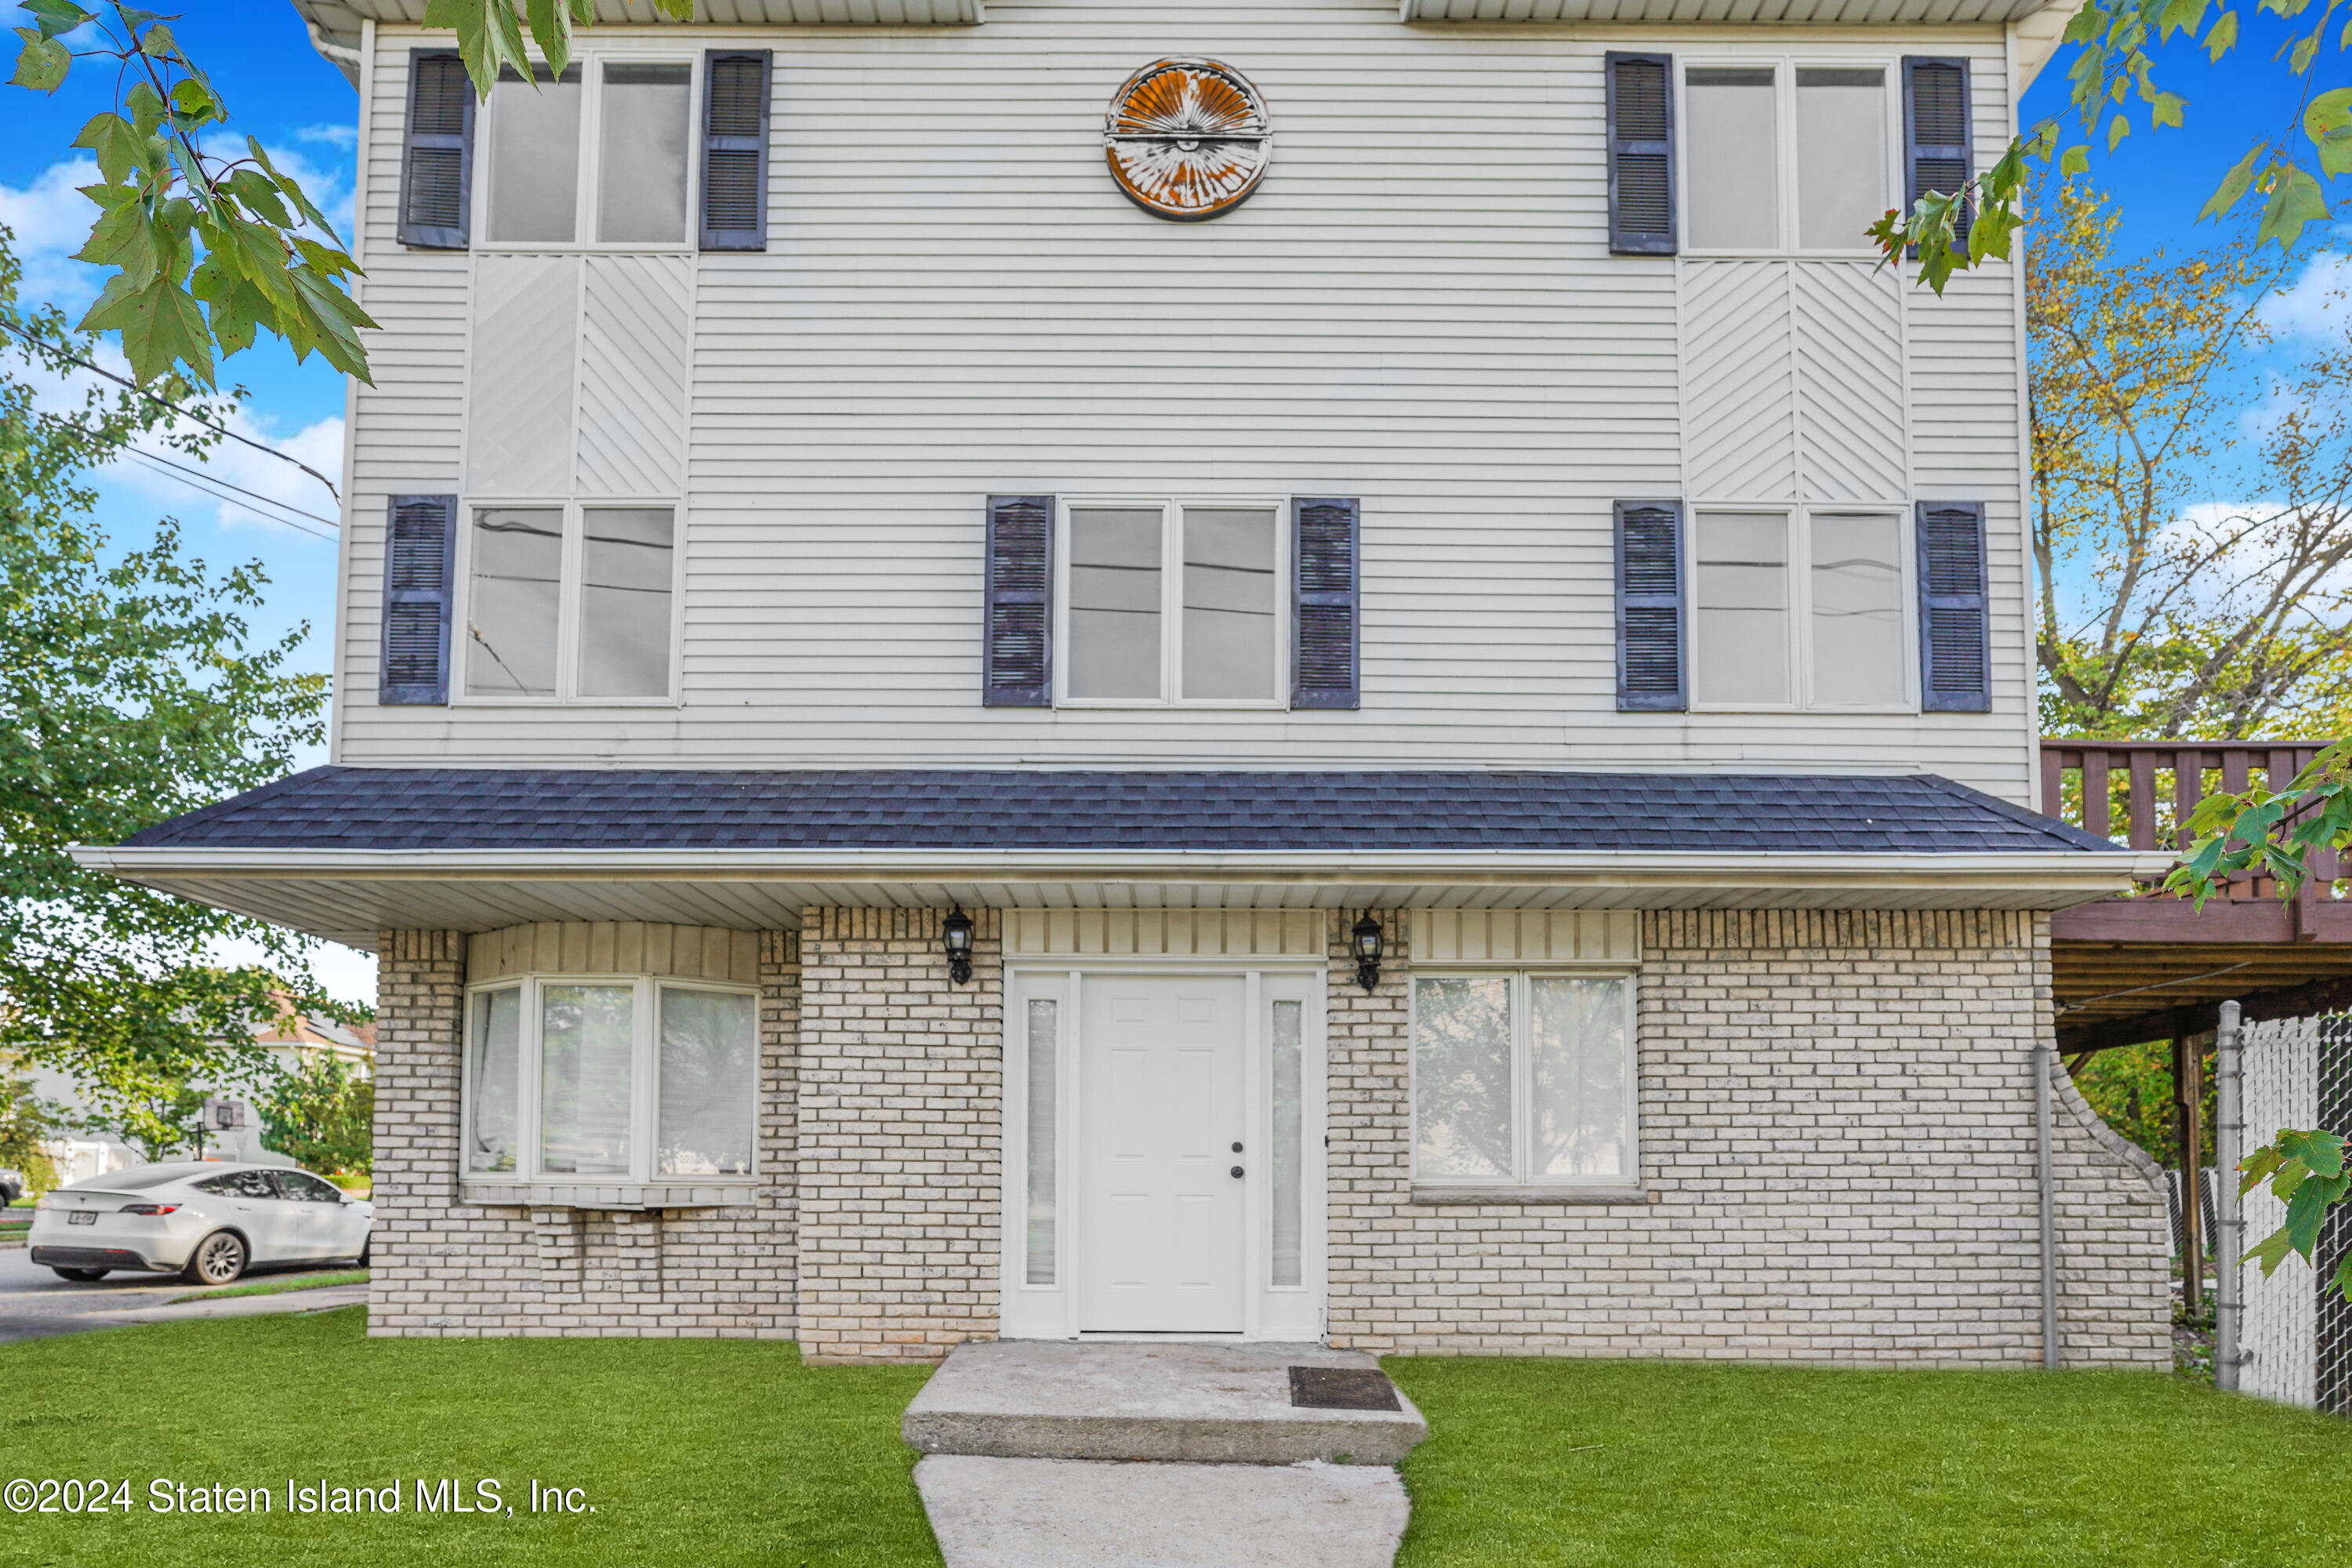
(1417, 309)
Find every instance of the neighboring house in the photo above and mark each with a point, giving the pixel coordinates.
(811, 506)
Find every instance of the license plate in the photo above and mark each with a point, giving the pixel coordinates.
(82, 1217)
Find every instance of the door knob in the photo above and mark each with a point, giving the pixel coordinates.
(1237, 1172)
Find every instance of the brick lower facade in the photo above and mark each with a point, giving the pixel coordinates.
(1837, 1145)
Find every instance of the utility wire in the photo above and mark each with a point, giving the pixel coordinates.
(211, 478)
(69, 356)
(231, 501)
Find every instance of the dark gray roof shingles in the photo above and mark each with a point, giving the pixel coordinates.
(331, 808)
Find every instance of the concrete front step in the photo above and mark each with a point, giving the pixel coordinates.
(1199, 1403)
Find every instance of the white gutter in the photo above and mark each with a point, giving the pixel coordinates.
(2094, 872)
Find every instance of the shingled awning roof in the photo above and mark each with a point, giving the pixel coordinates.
(343, 851)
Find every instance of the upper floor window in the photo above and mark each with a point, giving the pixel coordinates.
(598, 154)
(1782, 156)
(1170, 602)
(625, 1077)
(570, 602)
(1798, 610)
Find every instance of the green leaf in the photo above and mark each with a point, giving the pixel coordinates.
(146, 106)
(161, 326)
(2258, 1168)
(2182, 16)
(550, 26)
(2222, 37)
(2076, 159)
(2118, 129)
(258, 193)
(2167, 109)
(2328, 122)
(2294, 202)
(292, 192)
(157, 44)
(41, 63)
(2270, 1252)
(2344, 1277)
(192, 103)
(2233, 186)
(2304, 48)
(2084, 25)
(489, 35)
(2322, 1152)
(120, 149)
(58, 17)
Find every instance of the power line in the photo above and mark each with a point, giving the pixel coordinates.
(202, 487)
(72, 358)
(216, 479)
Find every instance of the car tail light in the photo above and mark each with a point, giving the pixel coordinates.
(149, 1208)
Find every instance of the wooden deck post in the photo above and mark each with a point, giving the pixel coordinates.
(2188, 1101)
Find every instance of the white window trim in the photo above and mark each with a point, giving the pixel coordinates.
(1799, 517)
(1171, 599)
(1522, 1057)
(645, 1085)
(1784, 97)
(592, 63)
(572, 565)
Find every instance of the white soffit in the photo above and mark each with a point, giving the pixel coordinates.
(1737, 13)
(347, 896)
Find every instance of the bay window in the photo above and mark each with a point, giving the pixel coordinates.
(1523, 1080)
(610, 1079)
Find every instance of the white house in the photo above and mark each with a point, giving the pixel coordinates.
(1188, 496)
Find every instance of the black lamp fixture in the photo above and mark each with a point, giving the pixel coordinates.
(955, 940)
(1366, 940)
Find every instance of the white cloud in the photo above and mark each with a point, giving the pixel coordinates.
(346, 137)
(2317, 304)
(50, 219)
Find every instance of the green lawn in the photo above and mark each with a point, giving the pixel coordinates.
(1637, 1463)
(280, 1285)
(691, 1451)
(698, 1452)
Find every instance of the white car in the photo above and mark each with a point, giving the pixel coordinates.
(206, 1220)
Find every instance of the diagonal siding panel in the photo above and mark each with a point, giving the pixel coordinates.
(1849, 345)
(1738, 414)
(518, 396)
(633, 368)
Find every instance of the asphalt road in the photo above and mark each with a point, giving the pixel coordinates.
(34, 1303)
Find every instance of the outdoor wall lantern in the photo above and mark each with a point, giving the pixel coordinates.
(1366, 938)
(955, 941)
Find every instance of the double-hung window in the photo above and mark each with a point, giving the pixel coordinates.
(599, 155)
(1174, 602)
(610, 1079)
(1799, 608)
(1782, 155)
(572, 602)
(1523, 1080)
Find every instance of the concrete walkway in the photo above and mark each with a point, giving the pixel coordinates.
(1085, 1513)
(1163, 1456)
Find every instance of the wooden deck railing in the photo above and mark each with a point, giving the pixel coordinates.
(2139, 792)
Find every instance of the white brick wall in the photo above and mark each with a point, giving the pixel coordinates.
(442, 1267)
(1837, 1127)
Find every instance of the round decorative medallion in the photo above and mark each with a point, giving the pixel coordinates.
(1187, 139)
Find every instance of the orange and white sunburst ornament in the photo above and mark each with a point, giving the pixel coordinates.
(1187, 139)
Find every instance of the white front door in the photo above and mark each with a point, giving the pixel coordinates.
(1161, 1121)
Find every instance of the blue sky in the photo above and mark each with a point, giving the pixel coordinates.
(302, 108)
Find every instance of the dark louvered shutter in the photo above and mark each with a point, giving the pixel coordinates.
(735, 150)
(1955, 631)
(1650, 607)
(1641, 154)
(1326, 622)
(420, 560)
(436, 167)
(1019, 657)
(1936, 142)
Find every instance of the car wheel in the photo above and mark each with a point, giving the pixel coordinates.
(80, 1276)
(219, 1258)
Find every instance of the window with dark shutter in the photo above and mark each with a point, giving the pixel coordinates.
(1326, 668)
(436, 168)
(1641, 94)
(735, 150)
(1955, 633)
(420, 561)
(1018, 656)
(1936, 142)
(1650, 664)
